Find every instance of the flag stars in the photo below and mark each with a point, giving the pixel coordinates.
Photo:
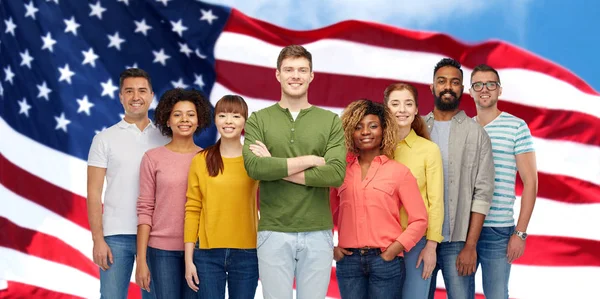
(160, 57)
(179, 84)
(31, 10)
(207, 15)
(44, 91)
(98, 131)
(108, 89)
(134, 66)
(48, 42)
(89, 57)
(142, 27)
(200, 55)
(84, 105)
(178, 27)
(10, 26)
(199, 81)
(61, 122)
(183, 48)
(71, 25)
(164, 2)
(115, 41)
(124, 1)
(26, 59)
(24, 107)
(65, 74)
(97, 10)
(55, 1)
(9, 75)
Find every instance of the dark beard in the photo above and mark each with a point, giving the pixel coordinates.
(447, 106)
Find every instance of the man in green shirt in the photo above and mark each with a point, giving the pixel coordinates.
(297, 152)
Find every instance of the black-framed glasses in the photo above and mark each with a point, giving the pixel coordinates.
(491, 85)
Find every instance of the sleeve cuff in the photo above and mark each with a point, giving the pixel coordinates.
(145, 219)
(481, 207)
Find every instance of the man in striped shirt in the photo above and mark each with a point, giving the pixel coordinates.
(500, 242)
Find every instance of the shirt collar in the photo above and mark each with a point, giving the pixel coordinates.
(381, 159)
(410, 138)
(124, 125)
(459, 117)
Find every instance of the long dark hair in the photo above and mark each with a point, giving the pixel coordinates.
(227, 104)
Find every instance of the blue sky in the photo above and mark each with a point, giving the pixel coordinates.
(568, 34)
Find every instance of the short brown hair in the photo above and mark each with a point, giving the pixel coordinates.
(134, 73)
(484, 68)
(418, 123)
(294, 51)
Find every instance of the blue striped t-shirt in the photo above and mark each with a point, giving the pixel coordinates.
(510, 136)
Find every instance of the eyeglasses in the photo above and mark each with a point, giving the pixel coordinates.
(491, 85)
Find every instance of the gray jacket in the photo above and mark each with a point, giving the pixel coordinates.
(470, 172)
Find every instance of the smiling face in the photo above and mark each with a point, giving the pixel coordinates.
(403, 106)
(368, 134)
(230, 124)
(294, 75)
(136, 97)
(485, 98)
(183, 120)
(447, 88)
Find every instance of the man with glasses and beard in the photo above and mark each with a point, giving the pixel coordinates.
(468, 181)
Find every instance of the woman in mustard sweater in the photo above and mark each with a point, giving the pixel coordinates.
(424, 160)
(221, 214)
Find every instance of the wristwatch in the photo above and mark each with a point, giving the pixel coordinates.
(522, 235)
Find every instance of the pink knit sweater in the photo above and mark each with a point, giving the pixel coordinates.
(161, 203)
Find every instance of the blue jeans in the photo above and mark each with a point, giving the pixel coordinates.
(114, 282)
(491, 254)
(306, 255)
(415, 286)
(167, 274)
(365, 275)
(457, 287)
(236, 267)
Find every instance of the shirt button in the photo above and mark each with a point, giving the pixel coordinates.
(292, 141)
(293, 129)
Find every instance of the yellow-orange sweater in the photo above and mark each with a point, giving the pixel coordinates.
(221, 211)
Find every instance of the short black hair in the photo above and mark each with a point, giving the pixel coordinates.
(173, 96)
(484, 68)
(134, 73)
(447, 62)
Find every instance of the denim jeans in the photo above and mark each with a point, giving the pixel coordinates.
(415, 287)
(306, 255)
(457, 287)
(236, 267)
(114, 282)
(167, 274)
(491, 255)
(365, 275)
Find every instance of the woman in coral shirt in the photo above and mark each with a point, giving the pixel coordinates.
(369, 255)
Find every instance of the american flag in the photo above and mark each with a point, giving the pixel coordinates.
(60, 63)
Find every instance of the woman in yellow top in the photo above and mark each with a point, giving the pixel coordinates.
(221, 212)
(424, 160)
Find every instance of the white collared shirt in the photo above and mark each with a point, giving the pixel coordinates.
(120, 149)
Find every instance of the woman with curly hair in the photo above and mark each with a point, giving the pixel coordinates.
(221, 214)
(369, 255)
(163, 182)
(424, 160)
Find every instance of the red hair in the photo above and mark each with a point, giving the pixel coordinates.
(418, 124)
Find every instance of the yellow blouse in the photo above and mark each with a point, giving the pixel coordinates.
(424, 160)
